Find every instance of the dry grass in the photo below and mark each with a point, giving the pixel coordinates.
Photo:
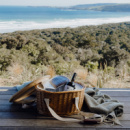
(15, 69)
(92, 79)
(17, 74)
(9, 81)
(118, 83)
(82, 73)
(2, 82)
(13, 76)
(50, 71)
(105, 79)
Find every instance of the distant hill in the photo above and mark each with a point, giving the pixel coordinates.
(87, 6)
(111, 7)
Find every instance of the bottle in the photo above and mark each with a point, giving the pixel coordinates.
(70, 85)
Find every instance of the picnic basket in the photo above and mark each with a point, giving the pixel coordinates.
(63, 103)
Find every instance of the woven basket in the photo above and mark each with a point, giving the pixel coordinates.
(63, 103)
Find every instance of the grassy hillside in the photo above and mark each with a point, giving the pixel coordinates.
(26, 55)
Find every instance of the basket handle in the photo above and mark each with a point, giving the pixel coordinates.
(53, 113)
(88, 117)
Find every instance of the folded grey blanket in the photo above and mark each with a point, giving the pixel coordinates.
(100, 103)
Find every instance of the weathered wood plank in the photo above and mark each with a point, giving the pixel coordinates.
(56, 124)
(7, 92)
(117, 93)
(18, 108)
(9, 88)
(6, 101)
(5, 97)
(15, 108)
(17, 115)
(114, 89)
(32, 115)
(12, 116)
(11, 108)
(3, 102)
(121, 99)
(5, 105)
(125, 117)
(41, 128)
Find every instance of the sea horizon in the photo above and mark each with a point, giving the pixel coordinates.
(22, 18)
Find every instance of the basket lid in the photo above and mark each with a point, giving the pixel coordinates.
(28, 90)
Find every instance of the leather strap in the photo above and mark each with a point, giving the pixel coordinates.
(57, 116)
(85, 114)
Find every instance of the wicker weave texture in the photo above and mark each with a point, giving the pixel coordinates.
(63, 103)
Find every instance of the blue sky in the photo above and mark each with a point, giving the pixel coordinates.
(57, 2)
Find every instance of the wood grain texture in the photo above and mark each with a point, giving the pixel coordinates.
(12, 116)
(41, 128)
(47, 123)
(33, 115)
(117, 93)
(7, 92)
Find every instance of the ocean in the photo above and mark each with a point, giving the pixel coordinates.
(16, 18)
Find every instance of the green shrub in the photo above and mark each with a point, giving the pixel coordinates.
(92, 66)
(128, 62)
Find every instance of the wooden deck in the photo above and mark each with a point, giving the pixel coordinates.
(12, 116)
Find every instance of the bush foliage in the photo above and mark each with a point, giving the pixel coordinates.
(67, 48)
